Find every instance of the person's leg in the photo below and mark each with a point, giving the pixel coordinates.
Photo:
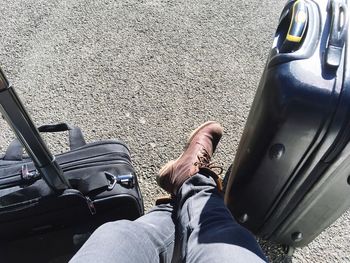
(149, 239)
(208, 231)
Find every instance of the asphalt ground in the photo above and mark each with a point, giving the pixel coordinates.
(146, 72)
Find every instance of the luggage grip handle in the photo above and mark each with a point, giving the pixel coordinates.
(298, 22)
(339, 10)
(76, 137)
(14, 151)
(338, 32)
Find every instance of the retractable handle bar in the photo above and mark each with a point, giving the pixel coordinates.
(15, 114)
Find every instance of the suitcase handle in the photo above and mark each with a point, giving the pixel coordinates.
(293, 27)
(76, 137)
(338, 32)
(298, 23)
(14, 151)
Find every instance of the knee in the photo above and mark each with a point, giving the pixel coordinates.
(116, 226)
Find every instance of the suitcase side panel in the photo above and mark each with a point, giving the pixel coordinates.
(328, 200)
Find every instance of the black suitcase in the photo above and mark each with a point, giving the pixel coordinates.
(290, 177)
(44, 199)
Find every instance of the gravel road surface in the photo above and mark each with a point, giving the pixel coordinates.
(146, 72)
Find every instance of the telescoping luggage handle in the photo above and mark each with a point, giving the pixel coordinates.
(15, 114)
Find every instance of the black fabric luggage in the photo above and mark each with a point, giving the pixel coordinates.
(64, 197)
(290, 177)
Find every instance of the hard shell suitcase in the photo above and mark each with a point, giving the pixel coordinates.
(73, 193)
(290, 177)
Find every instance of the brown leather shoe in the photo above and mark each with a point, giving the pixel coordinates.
(197, 154)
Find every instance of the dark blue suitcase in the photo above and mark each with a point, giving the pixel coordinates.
(290, 178)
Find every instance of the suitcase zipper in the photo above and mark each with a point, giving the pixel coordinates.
(59, 156)
(121, 155)
(105, 158)
(22, 178)
(94, 144)
(74, 167)
(89, 202)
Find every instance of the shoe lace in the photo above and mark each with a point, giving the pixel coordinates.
(204, 162)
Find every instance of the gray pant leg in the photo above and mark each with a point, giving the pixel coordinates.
(207, 229)
(149, 239)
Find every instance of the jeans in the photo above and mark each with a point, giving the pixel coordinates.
(195, 227)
